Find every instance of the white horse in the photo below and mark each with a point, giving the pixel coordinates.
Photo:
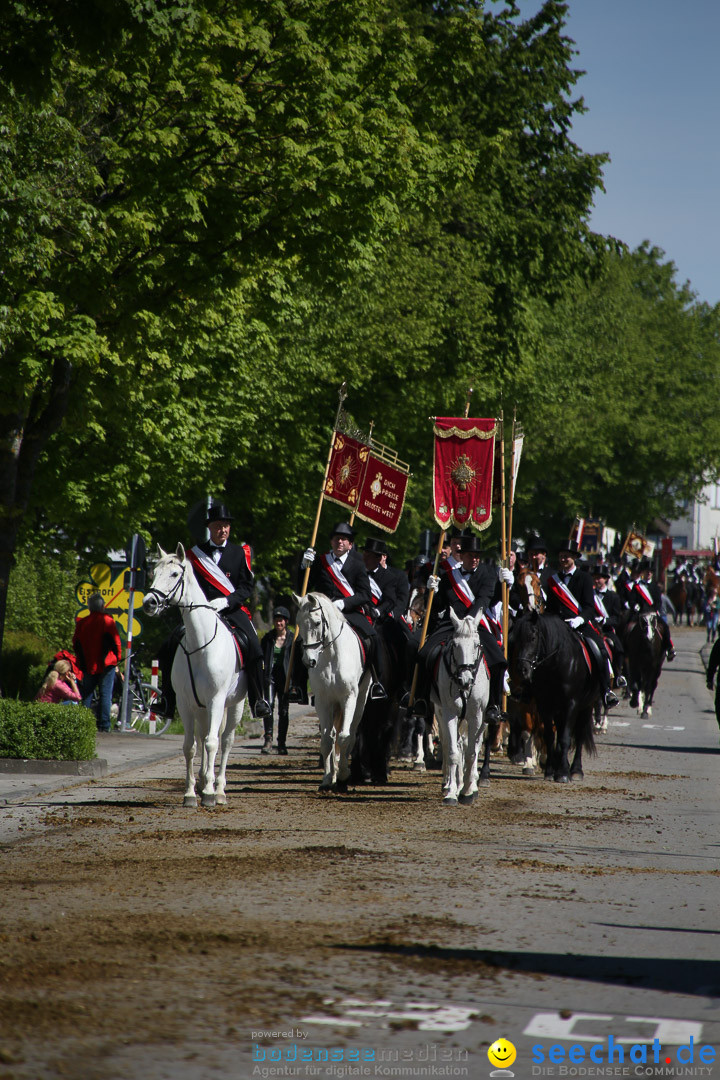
(461, 698)
(207, 676)
(332, 653)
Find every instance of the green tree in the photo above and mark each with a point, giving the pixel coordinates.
(148, 204)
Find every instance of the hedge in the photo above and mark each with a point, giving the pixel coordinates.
(54, 732)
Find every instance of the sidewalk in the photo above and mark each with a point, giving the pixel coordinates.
(117, 752)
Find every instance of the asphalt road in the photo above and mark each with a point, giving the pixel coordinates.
(383, 935)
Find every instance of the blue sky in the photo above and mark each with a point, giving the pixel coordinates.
(652, 89)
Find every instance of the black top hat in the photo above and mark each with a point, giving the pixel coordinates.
(470, 543)
(341, 528)
(377, 547)
(281, 612)
(602, 569)
(645, 565)
(536, 543)
(570, 546)
(218, 512)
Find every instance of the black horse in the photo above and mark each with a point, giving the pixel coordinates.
(375, 733)
(549, 667)
(645, 652)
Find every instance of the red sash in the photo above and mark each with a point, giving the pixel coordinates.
(460, 587)
(564, 595)
(337, 576)
(645, 593)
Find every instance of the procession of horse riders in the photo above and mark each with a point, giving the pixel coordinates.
(382, 602)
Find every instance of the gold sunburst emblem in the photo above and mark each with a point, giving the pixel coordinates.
(462, 473)
(347, 473)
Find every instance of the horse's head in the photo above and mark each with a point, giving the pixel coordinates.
(464, 649)
(314, 617)
(527, 642)
(168, 582)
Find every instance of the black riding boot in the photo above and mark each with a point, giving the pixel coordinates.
(267, 743)
(493, 713)
(283, 723)
(259, 706)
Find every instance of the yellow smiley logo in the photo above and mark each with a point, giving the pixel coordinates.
(502, 1053)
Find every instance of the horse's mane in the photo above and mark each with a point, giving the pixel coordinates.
(315, 600)
(551, 628)
(554, 632)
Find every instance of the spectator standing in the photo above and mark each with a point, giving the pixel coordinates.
(97, 645)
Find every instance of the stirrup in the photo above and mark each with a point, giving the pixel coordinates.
(378, 692)
(418, 707)
(670, 654)
(262, 709)
(493, 714)
(610, 700)
(621, 681)
(295, 695)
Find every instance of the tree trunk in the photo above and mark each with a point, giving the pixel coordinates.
(23, 438)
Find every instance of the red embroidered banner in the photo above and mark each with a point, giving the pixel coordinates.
(382, 495)
(346, 471)
(463, 471)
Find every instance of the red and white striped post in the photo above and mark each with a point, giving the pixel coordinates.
(154, 674)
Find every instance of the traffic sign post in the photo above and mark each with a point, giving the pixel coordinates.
(136, 577)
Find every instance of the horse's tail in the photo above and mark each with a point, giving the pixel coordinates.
(584, 726)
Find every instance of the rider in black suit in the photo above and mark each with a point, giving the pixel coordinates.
(646, 598)
(229, 598)
(578, 610)
(608, 601)
(467, 589)
(234, 560)
(340, 574)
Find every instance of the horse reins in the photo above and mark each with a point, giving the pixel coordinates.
(165, 599)
(322, 644)
(454, 674)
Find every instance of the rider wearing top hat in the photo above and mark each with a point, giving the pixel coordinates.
(468, 588)
(570, 595)
(223, 571)
(609, 615)
(340, 574)
(647, 598)
(382, 582)
(538, 552)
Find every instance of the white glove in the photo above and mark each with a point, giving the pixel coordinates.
(506, 575)
(308, 558)
(433, 582)
(339, 604)
(220, 604)
(577, 621)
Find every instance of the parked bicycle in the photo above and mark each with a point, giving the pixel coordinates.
(147, 705)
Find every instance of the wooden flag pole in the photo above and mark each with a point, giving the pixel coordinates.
(342, 394)
(512, 479)
(503, 537)
(428, 606)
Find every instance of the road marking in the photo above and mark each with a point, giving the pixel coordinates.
(428, 1016)
(669, 1032)
(662, 727)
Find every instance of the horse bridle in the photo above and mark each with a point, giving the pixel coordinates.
(457, 671)
(322, 643)
(163, 601)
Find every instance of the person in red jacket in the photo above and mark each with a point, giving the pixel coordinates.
(97, 645)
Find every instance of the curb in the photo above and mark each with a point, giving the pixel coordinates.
(51, 767)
